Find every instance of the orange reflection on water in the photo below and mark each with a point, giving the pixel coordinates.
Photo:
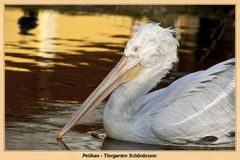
(19, 60)
(105, 59)
(94, 28)
(58, 35)
(18, 69)
(84, 63)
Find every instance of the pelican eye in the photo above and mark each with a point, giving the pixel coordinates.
(135, 49)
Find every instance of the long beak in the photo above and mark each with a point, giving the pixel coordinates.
(126, 70)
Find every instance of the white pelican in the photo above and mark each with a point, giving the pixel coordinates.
(198, 108)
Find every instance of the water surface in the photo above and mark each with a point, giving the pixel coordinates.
(54, 60)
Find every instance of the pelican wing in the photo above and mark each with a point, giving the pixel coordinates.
(197, 108)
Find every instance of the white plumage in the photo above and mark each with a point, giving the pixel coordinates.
(196, 109)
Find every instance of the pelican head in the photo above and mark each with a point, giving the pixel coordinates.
(150, 47)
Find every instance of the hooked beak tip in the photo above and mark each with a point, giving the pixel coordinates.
(59, 135)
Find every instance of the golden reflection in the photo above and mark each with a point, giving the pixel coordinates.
(94, 28)
(47, 31)
(96, 49)
(49, 64)
(18, 69)
(72, 102)
(185, 51)
(59, 34)
(189, 25)
(45, 64)
(84, 63)
(46, 55)
(12, 36)
(20, 51)
(105, 59)
(19, 60)
(65, 64)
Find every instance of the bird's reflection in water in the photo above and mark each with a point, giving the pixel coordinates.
(62, 145)
(27, 22)
(112, 144)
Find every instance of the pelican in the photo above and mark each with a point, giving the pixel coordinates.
(198, 108)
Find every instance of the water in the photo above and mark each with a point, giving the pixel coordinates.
(40, 131)
(55, 60)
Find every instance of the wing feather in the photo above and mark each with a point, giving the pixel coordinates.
(194, 107)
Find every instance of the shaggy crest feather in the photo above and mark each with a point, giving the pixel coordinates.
(151, 40)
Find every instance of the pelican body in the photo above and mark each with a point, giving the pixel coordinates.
(196, 109)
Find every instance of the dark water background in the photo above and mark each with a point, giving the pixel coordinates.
(55, 56)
